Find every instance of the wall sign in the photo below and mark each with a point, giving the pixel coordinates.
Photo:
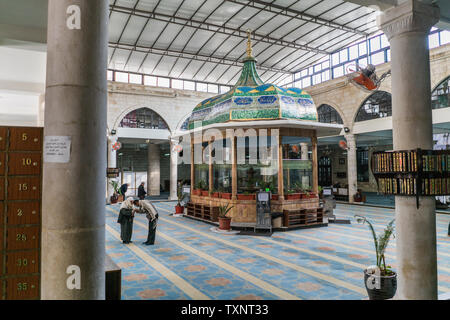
(57, 149)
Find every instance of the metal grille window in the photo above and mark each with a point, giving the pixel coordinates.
(143, 118)
(327, 114)
(362, 164)
(377, 105)
(440, 97)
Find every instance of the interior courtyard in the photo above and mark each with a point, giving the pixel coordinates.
(318, 122)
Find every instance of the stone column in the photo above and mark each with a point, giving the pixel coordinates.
(73, 205)
(153, 173)
(304, 151)
(407, 27)
(41, 111)
(173, 171)
(352, 171)
(112, 163)
(315, 170)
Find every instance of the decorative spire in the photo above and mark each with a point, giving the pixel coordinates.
(249, 44)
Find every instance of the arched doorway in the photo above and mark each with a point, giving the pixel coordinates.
(325, 171)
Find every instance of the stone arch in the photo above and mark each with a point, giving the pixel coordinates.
(128, 110)
(440, 94)
(183, 121)
(376, 105)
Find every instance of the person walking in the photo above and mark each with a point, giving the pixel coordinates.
(152, 216)
(141, 191)
(123, 189)
(126, 216)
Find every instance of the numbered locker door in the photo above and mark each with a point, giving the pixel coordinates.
(24, 163)
(20, 213)
(22, 288)
(22, 238)
(23, 262)
(24, 188)
(25, 139)
(3, 135)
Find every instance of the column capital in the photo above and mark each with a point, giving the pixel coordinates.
(410, 16)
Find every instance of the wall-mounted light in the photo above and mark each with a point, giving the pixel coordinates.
(113, 131)
(346, 130)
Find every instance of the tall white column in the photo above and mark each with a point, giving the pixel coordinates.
(73, 206)
(41, 111)
(112, 163)
(173, 170)
(352, 174)
(153, 173)
(407, 27)
(304, 151)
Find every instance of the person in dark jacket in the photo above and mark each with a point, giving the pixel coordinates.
(126, 216)
(152, 216)
(141, 191)
(123, 189)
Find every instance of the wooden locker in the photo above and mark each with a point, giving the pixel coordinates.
(22, 288)
(3, 136)
(22, 238)
(25, 139)
(23, 213)
(22, 262)
(2, 189)
(24, 164)
(24, 188)
(2, 163)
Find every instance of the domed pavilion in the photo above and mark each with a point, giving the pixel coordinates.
(255, 137)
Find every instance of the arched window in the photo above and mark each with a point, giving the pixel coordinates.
(440, 97)
(328, 114)
(377, 105)
(143, 118)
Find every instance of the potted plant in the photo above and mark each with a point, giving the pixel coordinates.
(224, 220)
(291, 195)
(246, 196)
(115, 197)
(380, 280)
(226, 195)
(320, 189)
(204, 188)
(214, 193)
(180, 196)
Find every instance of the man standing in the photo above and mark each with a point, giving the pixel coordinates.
(152, 216)
(126, 216)
(141, 191)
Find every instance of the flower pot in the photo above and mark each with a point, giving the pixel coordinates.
(114, 198)
(275, 197)
(387, 288)
(293, 196)
(225, 195)
(224, 223)
(196, 192)
(179, 209)
(246, 197)
(215, 195)
(204, 193)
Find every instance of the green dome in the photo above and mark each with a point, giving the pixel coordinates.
(251, 99)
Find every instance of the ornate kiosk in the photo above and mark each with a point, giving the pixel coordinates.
(255, 137)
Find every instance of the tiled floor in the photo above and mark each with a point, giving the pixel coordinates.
(188, 261)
